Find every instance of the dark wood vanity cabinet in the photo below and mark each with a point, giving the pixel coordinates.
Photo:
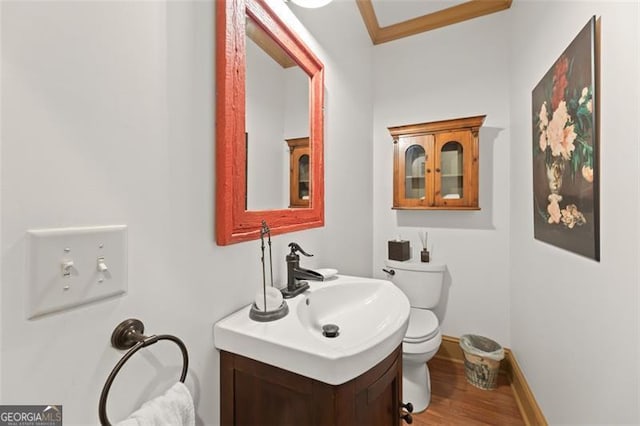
(254, 393)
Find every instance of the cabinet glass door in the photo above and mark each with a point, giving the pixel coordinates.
(414, 172)
(299, 172)
(454, 159)
(451, 171)
(303, 177)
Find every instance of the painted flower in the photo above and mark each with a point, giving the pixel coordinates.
(587, 173)
(560, 81)
(554, 208)
(571, 216)
(543, 122)
(543, 141)
(543, 116)
(567, 142)
(559, 137)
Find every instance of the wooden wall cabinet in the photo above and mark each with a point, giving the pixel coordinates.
(435, 165)
(299, 183)
(254, 393)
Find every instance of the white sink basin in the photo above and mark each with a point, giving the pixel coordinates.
(372, 316)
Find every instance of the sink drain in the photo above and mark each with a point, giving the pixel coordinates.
(330, 330)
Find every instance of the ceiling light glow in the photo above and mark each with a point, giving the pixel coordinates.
(312, 4)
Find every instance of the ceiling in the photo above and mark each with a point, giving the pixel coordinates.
(394, 11)
(388, 20)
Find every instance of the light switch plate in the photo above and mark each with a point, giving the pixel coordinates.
(66, 267)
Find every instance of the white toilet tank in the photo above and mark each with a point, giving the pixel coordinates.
(421, 282)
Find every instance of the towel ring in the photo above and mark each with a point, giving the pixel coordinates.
(129, 335)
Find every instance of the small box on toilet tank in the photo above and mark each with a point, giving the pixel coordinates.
(399, 250)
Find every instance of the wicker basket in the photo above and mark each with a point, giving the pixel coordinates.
(482, 358)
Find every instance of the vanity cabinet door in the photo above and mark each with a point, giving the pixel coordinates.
(378, 403)
(253, 393)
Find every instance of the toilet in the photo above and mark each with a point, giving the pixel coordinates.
(422, 284)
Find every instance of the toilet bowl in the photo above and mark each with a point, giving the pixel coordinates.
(422, 284)
(420, 344)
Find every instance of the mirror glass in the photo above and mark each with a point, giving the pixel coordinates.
(277, 109)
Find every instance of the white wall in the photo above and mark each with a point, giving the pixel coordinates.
(575, 321)
(347, 55)
(453, 72)
(107, 117)
(296, 112)
(265, 123)
(277, 109)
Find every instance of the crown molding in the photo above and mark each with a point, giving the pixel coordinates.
(442, 18)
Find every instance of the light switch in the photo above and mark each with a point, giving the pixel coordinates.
(75, 266)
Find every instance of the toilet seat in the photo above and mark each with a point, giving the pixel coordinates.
(423, 325)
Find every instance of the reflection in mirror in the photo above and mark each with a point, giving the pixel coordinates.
(277, 108)
(303, 178)
(299, 173)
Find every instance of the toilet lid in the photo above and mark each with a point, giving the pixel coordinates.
(423, 325)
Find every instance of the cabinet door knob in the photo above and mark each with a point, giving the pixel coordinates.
(408, 418)
(428, 170)
(408, 406)
(437, 170)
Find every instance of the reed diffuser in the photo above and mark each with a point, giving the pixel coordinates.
(424, 254)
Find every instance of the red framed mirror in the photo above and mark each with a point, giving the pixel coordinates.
(236, 219)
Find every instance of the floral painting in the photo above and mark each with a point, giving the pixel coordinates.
(565, 150)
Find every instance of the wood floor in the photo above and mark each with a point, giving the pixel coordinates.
(456, 402)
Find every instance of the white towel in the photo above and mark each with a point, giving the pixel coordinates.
(174, 408)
